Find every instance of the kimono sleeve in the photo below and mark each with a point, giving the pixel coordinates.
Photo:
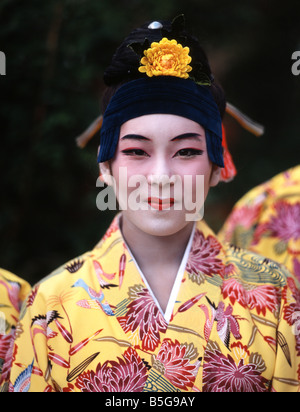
(13, 291)
(30, 369)
(286, 376)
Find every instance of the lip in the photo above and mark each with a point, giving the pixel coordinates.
(160, 204)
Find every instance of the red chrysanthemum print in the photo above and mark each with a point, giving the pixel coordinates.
(174, 363)
(144, 315)
(222, 374)
(296, 264)
(245, 216)
(291, 309)
(260, 298)
(126, 375)
(204, 258)
(286, 223)
(291, 297)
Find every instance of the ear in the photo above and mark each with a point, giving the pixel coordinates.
(105, 173)
(215, 176)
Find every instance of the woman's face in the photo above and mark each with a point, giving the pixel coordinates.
(155, 168)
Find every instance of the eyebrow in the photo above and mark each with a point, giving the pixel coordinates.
(134, 137)
(196, 136)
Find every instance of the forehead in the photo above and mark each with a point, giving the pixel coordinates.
(160, 125)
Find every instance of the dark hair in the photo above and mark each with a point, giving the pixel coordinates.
(125, 63)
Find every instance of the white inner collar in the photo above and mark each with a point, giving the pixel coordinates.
(177, 283)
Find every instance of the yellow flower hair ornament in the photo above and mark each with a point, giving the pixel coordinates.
(166, 58)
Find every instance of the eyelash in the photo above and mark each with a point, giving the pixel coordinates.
(192, 152)
(135, 152)
(140, 152)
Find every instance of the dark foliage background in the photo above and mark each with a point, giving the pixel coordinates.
(56, 52)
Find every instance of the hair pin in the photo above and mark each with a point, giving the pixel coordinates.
(155, 25)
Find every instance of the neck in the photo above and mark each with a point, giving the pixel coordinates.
(152, 251)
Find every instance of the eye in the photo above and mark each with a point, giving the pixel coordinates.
(189, 153)
(135, 152)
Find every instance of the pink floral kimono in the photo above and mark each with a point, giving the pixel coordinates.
(267, 220)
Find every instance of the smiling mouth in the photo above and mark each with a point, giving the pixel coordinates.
(160, 204)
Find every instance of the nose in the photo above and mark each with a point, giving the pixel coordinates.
(161, 174)
(161, 180)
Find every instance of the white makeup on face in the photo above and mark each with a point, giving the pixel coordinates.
(168, 152)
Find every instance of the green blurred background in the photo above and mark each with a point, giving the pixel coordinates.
(56, 52)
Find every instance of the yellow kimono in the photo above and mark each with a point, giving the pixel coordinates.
(267, 220)
(94, 325)
(13, 292)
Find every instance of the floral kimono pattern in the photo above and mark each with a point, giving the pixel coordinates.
(13, 292)
(93, 325)
(267, 221)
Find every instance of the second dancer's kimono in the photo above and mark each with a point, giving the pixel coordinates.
(13, 291)
(267, 220)
(94, 325)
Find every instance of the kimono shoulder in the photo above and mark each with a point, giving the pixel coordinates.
(64, 277)
(86, 268)
(252, 268)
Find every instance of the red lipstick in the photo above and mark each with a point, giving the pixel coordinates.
(160, 204)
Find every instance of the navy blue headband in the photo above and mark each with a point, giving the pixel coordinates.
(162, 95)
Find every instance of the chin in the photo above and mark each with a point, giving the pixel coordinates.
(158, 223)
